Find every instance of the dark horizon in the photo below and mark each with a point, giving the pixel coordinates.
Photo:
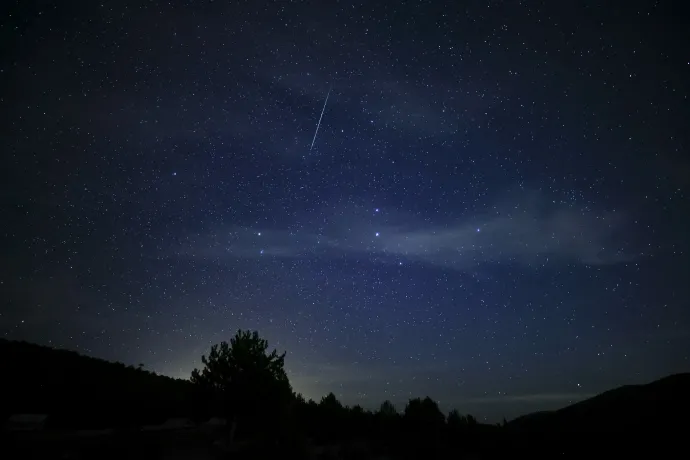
(495, 204)
(517, 405)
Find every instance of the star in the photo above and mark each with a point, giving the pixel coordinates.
(438, 141)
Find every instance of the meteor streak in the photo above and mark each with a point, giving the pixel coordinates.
(319, 123)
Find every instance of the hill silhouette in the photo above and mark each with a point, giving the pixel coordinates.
(626, 408)
(84, 392)
(627, 419)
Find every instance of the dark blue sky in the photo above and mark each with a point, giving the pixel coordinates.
(494, 212)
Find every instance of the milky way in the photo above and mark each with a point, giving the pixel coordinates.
(496, 214)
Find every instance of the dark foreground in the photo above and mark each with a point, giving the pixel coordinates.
(205, 444)
(60, 405)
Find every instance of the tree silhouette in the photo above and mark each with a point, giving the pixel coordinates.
(299, 398)
(424, 413)
(424, 426)
(455, 420)
(387, 424)
(332, 415)
(387, 409)
(250, 382)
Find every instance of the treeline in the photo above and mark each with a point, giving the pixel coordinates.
(250, 386)
(419, 430)
(80, 392)
(246, 385)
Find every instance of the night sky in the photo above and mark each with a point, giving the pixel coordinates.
(494, 212)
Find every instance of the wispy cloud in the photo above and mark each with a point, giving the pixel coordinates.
(525, 234)
(524, 238)
(529, 398)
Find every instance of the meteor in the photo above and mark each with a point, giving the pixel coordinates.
(319, 123)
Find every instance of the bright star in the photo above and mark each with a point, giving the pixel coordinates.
(376, 210)
(377, 233)
(259, 233)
